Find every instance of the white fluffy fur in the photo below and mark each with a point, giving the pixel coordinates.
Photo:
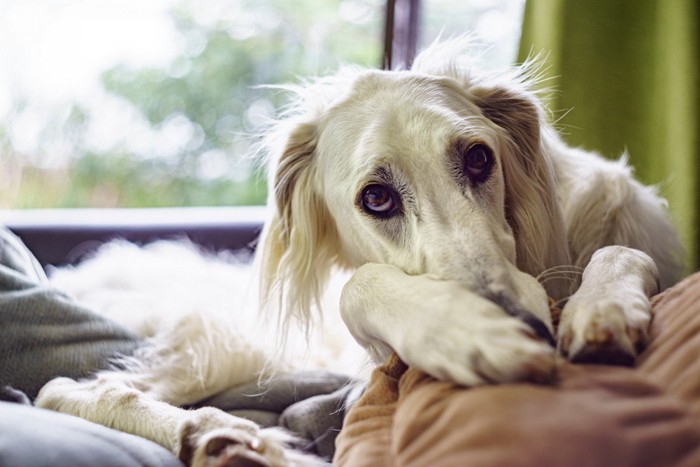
(442, 284)
(199, 316)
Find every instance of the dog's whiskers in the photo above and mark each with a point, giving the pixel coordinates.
(562, 301)
(569, 273)
(563, 267)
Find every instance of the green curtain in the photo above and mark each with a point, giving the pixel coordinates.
(625, 75)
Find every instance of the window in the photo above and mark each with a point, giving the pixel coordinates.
(494, 24)
(126, 103)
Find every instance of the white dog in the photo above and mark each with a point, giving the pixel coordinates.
(459, 211)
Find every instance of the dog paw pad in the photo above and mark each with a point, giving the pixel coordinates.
(230, 450)
(609, 355)
(603, 344)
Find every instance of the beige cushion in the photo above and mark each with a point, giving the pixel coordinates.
(594, 415)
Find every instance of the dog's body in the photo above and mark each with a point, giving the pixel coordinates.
(459, 211)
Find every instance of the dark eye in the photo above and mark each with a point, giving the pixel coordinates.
(379, 200)
(478, 161)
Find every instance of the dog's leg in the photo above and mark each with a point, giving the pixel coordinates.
(607, 319)
(191, 358)
(201, 437)
(441, 328)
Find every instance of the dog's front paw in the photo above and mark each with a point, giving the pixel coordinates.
(602, 331)
(229, 447)
(211, 438)
(497, 349)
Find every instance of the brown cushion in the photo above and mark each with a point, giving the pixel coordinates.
(595, 415)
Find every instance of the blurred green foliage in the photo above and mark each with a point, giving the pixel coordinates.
(206, 99)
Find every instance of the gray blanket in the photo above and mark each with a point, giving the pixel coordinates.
(43, 334)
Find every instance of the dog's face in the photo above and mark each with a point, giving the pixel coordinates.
(435, 173)
(411, 173)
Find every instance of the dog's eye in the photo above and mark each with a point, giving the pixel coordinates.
(379, 200)
(477, 162)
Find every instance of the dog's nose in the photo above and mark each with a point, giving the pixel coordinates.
(513, 309)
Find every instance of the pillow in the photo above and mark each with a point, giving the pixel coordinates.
(594, 415)
(36, 437)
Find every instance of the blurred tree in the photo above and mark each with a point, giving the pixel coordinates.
(208, 92)
(203, 109)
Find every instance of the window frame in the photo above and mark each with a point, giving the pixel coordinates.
(401, 22)
(65, 236)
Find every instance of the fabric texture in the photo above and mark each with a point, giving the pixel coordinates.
(626, 76)
(40, 438)
(43, 334)
(594, 415)
(310, 404)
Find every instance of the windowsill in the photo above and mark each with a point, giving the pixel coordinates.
(63, 236)
(132, 217)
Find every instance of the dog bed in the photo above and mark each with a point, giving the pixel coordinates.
(593, 416)
(45, 334)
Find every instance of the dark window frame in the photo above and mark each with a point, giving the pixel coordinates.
(65, 236)
(401, 33)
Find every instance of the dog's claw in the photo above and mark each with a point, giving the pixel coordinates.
(540, 330)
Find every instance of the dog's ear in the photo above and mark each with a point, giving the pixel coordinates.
(514, 111)
(532, 207)
(299, 242)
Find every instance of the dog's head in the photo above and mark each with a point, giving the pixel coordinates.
(434, 170)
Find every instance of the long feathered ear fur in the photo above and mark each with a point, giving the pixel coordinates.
(531, 204)
(299, 243)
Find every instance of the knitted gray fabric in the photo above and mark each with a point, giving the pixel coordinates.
(43, 334)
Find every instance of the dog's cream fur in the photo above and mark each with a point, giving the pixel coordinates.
(448, 280)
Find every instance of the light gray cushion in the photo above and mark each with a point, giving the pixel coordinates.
(35, 437)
